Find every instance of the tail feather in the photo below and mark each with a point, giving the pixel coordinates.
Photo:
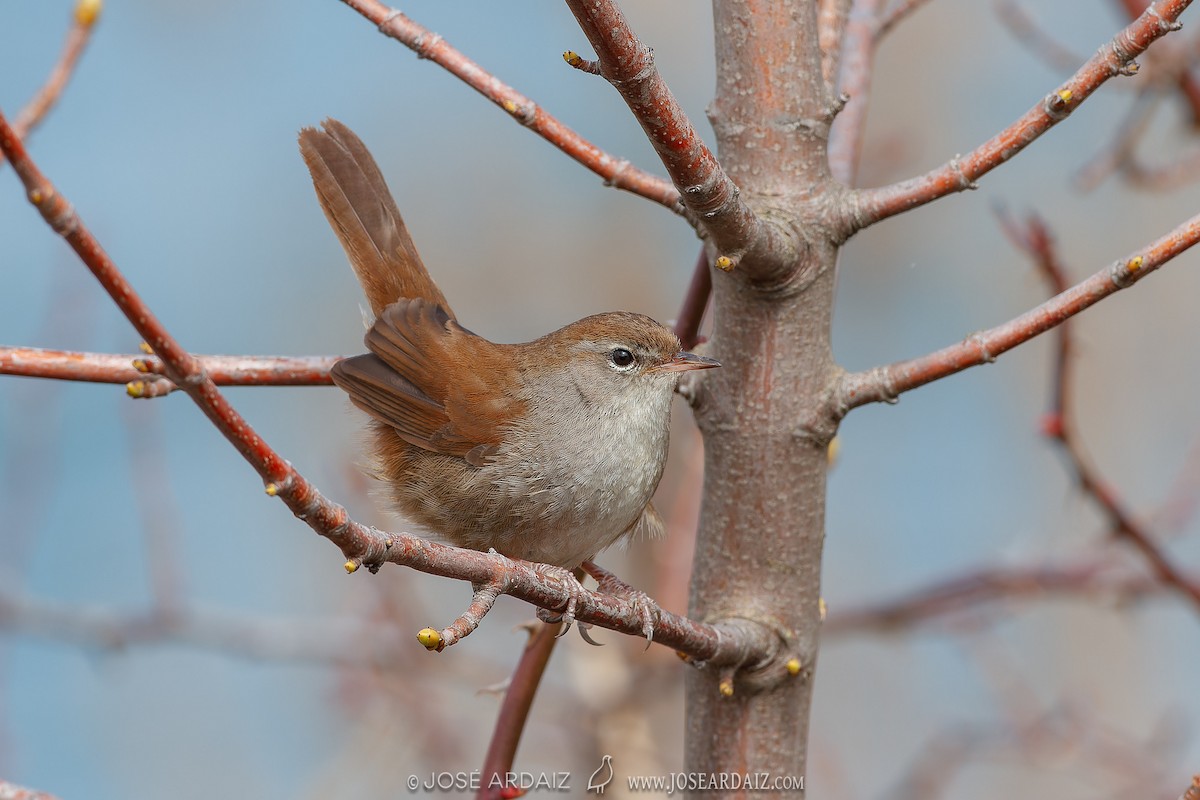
(358, 205)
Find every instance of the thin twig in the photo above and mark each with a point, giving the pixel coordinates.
(977, 590)
(854, 86)
(886, 384)
(342, 641)
(84, 19)
(708, 192)
(1189, 87)
(69, 365)
(427, 44)
(869, 206)
(728, 643)
(514, 711)
(695, 303)
(1036, 240)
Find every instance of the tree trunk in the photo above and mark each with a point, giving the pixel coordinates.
(758, 555)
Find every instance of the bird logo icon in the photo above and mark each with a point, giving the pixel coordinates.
(602, 776)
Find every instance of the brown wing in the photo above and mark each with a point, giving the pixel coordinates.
(364, 216)
(441, 387)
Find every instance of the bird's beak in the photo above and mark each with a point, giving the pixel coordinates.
(683, 361)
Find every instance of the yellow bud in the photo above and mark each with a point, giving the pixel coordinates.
(726, 687)
(1135, 263)
(146, 348)
(571, 57)
(429, 639)
(509, 106)
(831, 453)
(86, 12)
(793, 667)
(271, 489)
(136, 388)
(351, 567)
(1065, 95)
(724, 263)
(822, 609)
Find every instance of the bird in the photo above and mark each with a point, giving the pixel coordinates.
(603, 775)
(547, 451)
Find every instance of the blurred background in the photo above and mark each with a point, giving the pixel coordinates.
(176, 143)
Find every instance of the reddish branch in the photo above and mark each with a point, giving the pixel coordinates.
(854, 84)
(732, 643)
(1189, 87)
(427, 44)
(708, 192)
(1116, 58)
(695, 302)
(87, 12)
(1036, 240)
(886, 384)
(67, 365)
(518, 698)
(972, 591)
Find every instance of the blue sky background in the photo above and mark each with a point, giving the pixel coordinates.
(176, 143)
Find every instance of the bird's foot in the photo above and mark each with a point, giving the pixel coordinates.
(647, 610)
(575, 594)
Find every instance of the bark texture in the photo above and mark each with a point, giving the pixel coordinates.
(758, 556)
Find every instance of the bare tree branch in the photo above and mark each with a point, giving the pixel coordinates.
(854, 84)
(886, 384)
(86, 14)
(69, 365)
(514, 711)
(869, 206)
(974, 591)
(427, 44)
(708, 192)
(1036, 240)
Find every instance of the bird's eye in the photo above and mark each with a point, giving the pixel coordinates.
(621, 357)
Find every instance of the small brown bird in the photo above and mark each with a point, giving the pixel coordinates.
(547, 451)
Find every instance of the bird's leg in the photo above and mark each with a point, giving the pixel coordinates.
(647, 610)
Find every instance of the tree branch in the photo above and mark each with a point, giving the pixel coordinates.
(868, 206)
(964, 593)
(886, 384)
(69, 365)
(86, 14)
(616, 172)
(708, 192)
(514, 710)
(1036, 240)
(854, 84)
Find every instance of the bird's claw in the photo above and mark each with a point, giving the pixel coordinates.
(575, 592)
(643, 604)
